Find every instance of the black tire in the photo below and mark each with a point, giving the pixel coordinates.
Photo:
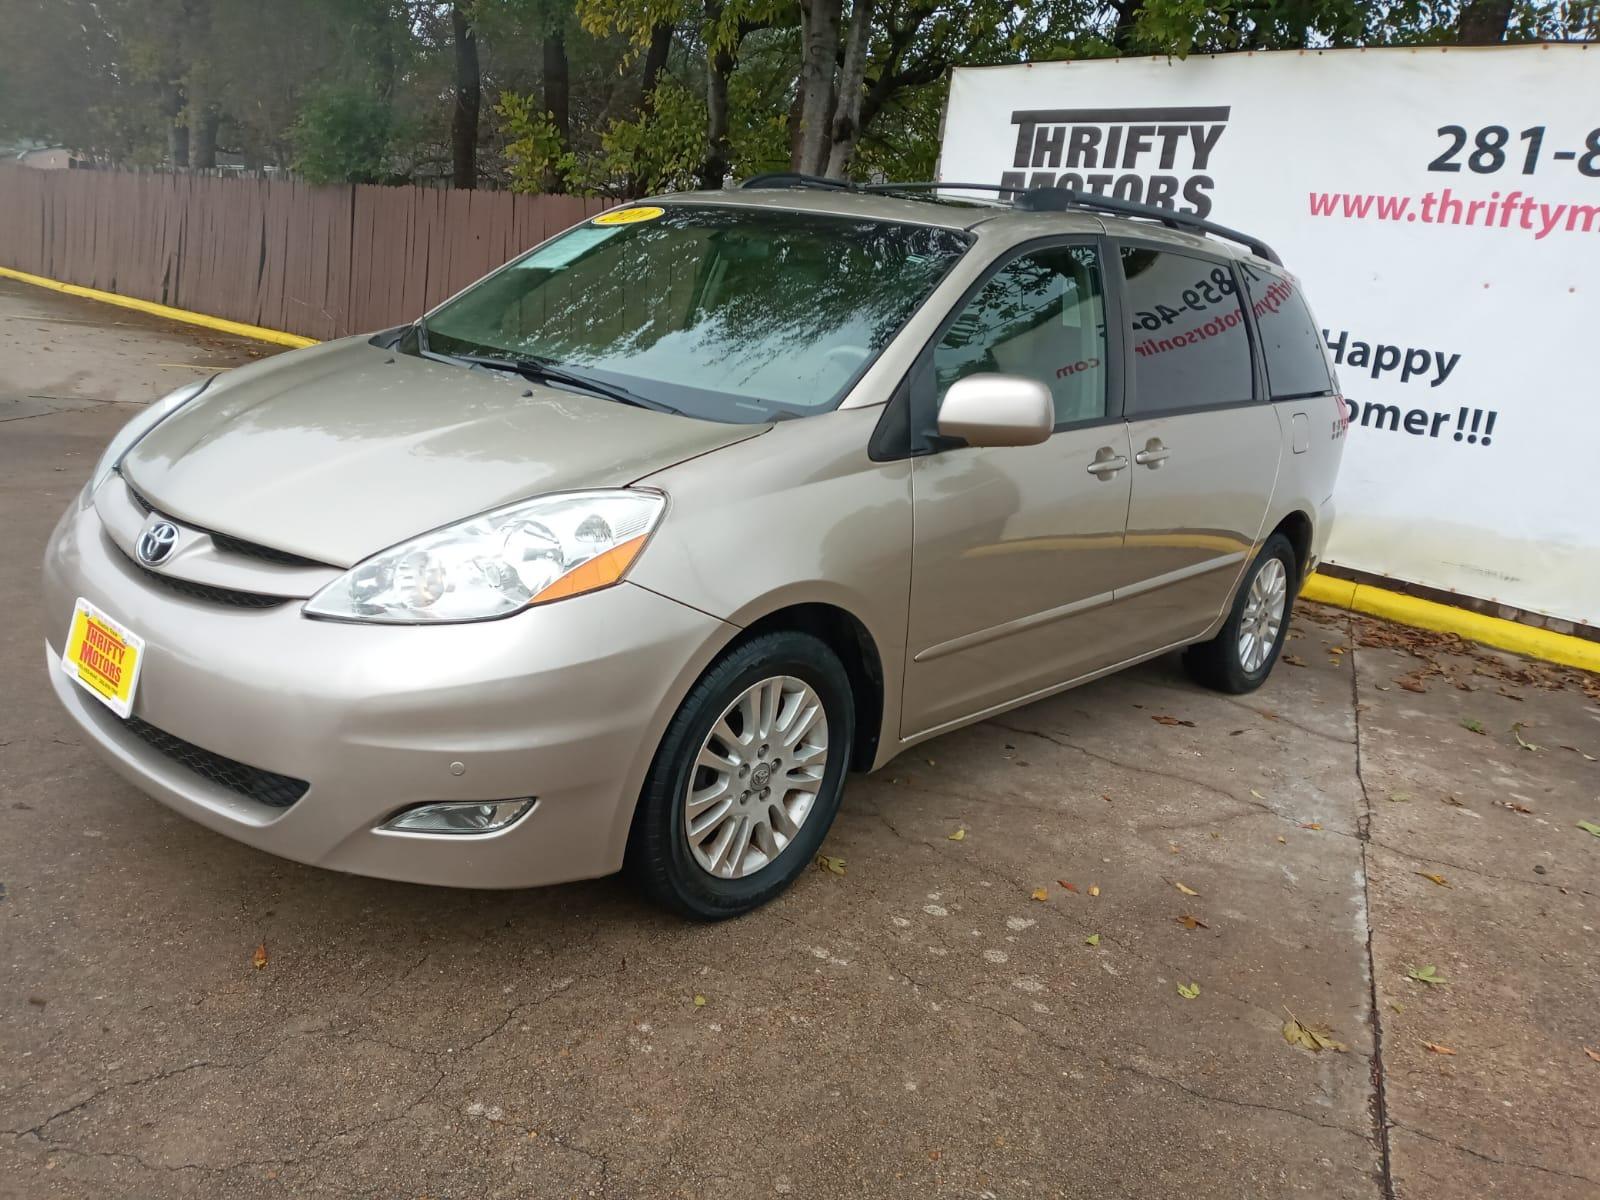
(1216, 663)
(659, 859)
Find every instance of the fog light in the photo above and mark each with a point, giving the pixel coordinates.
(460, 817)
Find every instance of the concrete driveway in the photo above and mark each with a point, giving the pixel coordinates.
(919, 1026)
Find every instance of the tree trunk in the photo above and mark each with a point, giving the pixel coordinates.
(820, 54)
(719, 152)
(1483, 22)
(847, 109)
(655, 62)
(469, 99)
(178, 144)
(557, 99)
(172, 101)
(1127, 16)
(204, 133)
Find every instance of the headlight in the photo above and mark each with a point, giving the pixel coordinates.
(141, 424)
(498, 563)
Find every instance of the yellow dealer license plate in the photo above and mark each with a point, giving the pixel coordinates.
(103, 655)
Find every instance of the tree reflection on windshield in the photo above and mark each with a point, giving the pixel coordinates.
(729, 313)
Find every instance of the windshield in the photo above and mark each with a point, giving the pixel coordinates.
(733, 314)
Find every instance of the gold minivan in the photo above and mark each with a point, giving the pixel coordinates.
(628, 553)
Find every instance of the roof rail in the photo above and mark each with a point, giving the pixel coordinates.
(780, 179)
(1055, 199)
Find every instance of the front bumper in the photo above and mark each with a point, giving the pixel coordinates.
(565, 703)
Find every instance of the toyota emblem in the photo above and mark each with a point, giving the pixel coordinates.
(156, 542)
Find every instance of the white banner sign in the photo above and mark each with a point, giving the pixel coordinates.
(1443, 210)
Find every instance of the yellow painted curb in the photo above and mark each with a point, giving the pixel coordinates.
(1543, 644)
(239, 328)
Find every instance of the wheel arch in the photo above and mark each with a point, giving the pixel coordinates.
(852, 642)
(1297, 527)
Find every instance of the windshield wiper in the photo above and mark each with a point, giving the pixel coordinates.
(541, 371)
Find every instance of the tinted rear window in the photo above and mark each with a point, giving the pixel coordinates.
(1191, 346)
(1296, 363)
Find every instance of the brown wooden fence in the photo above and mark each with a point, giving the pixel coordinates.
(318, 261)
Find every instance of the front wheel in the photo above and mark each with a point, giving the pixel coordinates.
(747, 779)
(1240, 657)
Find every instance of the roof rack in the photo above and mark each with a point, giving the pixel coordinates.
(1057, 199)
(1045, 199)
(778, 179)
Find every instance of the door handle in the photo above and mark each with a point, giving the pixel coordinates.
(1153, 455)
(1106, 463)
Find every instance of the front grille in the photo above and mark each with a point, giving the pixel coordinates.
(210, 594)
(232, 545)
(253, 783)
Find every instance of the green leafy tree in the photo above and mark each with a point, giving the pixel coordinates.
(342, 136)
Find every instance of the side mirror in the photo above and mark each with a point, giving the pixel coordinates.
(998, 410)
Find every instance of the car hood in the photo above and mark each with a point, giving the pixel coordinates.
(340, 451)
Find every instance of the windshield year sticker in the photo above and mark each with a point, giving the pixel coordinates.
(629, 216)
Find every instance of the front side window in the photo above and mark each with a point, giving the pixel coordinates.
(733, 314)
(1041, 316)
(1190, 344)
(1297, 365)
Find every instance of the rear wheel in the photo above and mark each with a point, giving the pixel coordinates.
(1241, 656)
(747, 779)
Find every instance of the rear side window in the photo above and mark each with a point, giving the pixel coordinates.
(1191, 346)
(1296, 363)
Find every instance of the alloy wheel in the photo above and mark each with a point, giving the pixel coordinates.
(756, 778)
(1263, 614)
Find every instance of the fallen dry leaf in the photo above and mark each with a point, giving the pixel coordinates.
(1257, 794)
(1437, 1048)
(1293, 661)
(699, 1001)
(1187, 891)
(1094, 889)
(1312, 825)
(1039, 894)
(1452, 801)
(1163, 719)
(1190, 922)
(1310, 1037)
(1594, 1054)
(1432, 878)
(834, 866)
(1411, 683)
(1071, 887)
(1282, 841)
(1400, 797)
(1514, 806)
(1516, 732)
(1581, 754)
(958, 835)
(259, 958)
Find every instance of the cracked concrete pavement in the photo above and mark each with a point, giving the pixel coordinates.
(917, 1027)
